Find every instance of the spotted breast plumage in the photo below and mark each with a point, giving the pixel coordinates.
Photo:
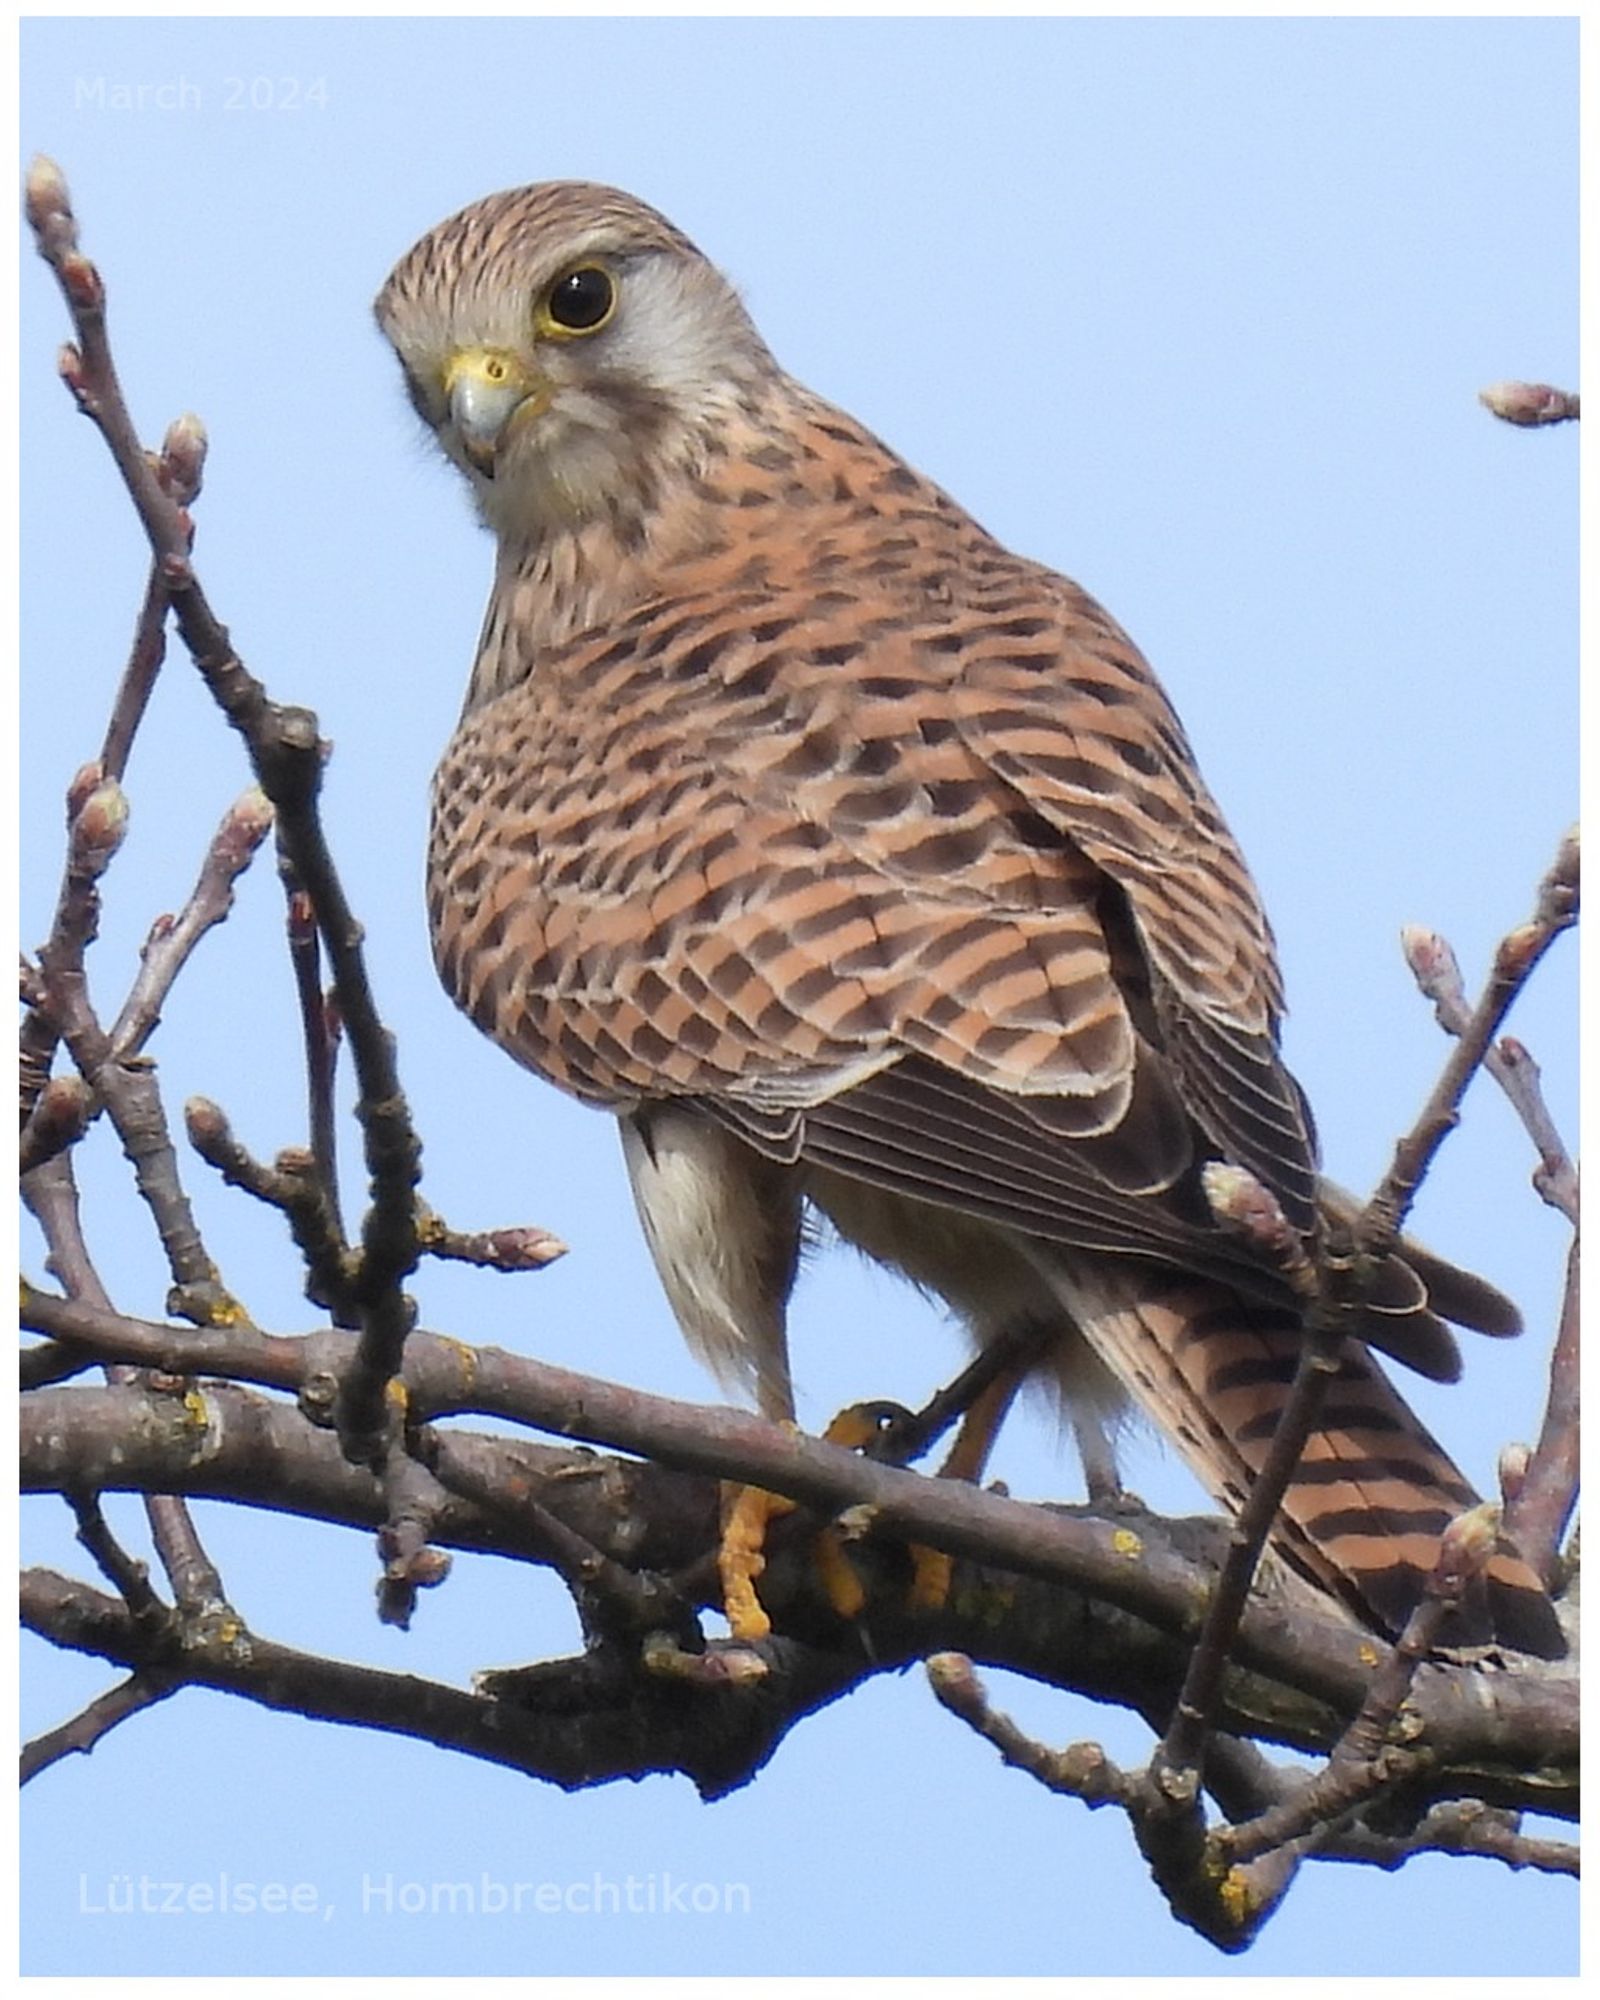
(859, 865)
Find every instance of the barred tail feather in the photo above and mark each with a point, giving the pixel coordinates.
(1373, 1492)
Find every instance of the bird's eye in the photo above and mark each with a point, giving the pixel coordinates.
(582, 301)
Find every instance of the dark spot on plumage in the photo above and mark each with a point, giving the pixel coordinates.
(729, 979)
(702, 657)
(864, 1020)
(1139, 756)
(880, 803)
(770, 458)
(944, 853)
(1035, 831)
(821, 980)
(775, 1022)
(1360, 1417)
(1045, 661)
(943, 1010)
(1080, 774)
(656, 641)
(491, 931)
(805, 835)
(897, 479)
(1109, 694)
(875, 758)
(837, 655)
(1379, 1520)
(719, 844)
(698, 1035)
(466, 880)
(995, 1044)
(815, 753)
(1157, 806)
(948, 943)
(887, 687)
(649, 1042)
(953, 798)
(650, 990)
(1369, 1472)
(1252, 1372)
(934, 729)
(615, 1054)
(766, 630)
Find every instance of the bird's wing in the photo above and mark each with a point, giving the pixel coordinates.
(811, 859)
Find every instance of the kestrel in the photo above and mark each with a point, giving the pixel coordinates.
(860, 866)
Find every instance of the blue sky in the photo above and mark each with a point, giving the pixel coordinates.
(1193, 310)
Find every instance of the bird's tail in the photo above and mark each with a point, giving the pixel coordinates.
(1373, 1491)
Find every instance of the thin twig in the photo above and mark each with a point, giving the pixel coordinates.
(172, 939)
(1515, 958)
(293, 1186)
(1538, 1512)
(1438, 974)
(141, 1690)
(613, 1602)
(1081, 1771)
(319, 1028)
(145, 656)
(125, 1573)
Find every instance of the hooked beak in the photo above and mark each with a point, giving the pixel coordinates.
(488, 389)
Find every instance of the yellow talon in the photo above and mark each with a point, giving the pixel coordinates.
(930, 1578)
(740, 1559)
(846, 1592)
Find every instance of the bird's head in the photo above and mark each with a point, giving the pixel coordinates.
(570, 350)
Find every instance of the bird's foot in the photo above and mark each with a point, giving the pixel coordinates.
(747, 1511)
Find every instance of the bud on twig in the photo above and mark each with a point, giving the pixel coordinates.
(1517, 949)
(1513, 1470)
(60, 1118)
(183, 459)
(1464, 1550)
(1242, 1205)
(85, 781)
(206, 1124)
(1529, 404)
(1432, 961)
(954, 1680)
(98, 827)
(247, 823)
(47, 203)
(1558, 892)
(81, 282)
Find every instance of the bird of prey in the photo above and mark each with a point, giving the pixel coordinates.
(860, 866)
